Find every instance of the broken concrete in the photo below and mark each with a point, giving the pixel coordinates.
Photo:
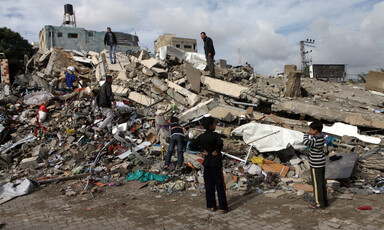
(222, 87)
(294, 84)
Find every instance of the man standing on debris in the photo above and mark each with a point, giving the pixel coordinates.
(211, 143)
(104, 100)
(177, 137)
(209, 53)
(111, 41)
(317, 163)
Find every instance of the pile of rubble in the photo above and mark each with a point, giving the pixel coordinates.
(260, 125)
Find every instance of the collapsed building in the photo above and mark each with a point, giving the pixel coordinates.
(260, 118)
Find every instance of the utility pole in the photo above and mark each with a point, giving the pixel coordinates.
(304, 61)
(238, 52)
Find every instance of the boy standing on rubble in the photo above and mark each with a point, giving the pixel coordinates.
(177, 137)
(211, 143)
(317, 163)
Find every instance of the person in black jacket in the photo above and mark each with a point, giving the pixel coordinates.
(209, 53)
(111, 41)
(104, 100)
(177, 137)
(211, 144)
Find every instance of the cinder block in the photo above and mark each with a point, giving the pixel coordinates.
(31, 162)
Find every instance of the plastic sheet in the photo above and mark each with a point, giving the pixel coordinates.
(37, 98)
(341, 129)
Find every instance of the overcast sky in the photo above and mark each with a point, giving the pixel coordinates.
(266, 32)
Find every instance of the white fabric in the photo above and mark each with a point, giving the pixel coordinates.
(107, 112)
(341, 129)
(275, 142)
(197, 60)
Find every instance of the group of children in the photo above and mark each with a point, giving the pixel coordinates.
(211, 145)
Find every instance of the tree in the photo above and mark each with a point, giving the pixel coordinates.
(361, 77)
(14, 47)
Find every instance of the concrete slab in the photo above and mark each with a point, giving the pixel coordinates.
(198, 111)
(342, 168)
(122, 76)
(149, 63)
(141, 98)
(191, 97)
(223, 87)
(193, 76)
(299, 107)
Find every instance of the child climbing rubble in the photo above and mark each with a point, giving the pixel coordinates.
(177, 138)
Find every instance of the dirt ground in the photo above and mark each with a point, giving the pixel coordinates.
(119, 207)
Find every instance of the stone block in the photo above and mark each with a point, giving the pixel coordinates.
(199, 110)
(293, 88)
(31, 162)
(191, 97)
(122, 76)
(160, 84)
(375, 81)
(147, 72)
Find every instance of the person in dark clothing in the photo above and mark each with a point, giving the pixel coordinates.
(177, 137)
(111, 41)
(104, 100)
(317, 164)
(209, 50)
(211, 144)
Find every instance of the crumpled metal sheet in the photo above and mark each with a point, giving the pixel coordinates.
(122, 140)
(9, 191)
(7, 146)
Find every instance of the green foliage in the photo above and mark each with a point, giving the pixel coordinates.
(14, 47)
(361, 77)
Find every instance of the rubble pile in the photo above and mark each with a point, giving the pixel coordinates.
(66, 146)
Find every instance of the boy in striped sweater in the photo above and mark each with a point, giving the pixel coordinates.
(317, 163)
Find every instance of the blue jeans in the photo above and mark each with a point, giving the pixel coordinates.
(179, 140)
(112, 50)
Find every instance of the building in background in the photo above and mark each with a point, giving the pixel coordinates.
(73, 38)
(328, 72)
(186, 44)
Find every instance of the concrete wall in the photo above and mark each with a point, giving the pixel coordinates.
(82, 39)
(288, 69)
(375, 81)
(187, 44)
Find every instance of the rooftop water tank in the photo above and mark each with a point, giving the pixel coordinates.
(68, 9)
